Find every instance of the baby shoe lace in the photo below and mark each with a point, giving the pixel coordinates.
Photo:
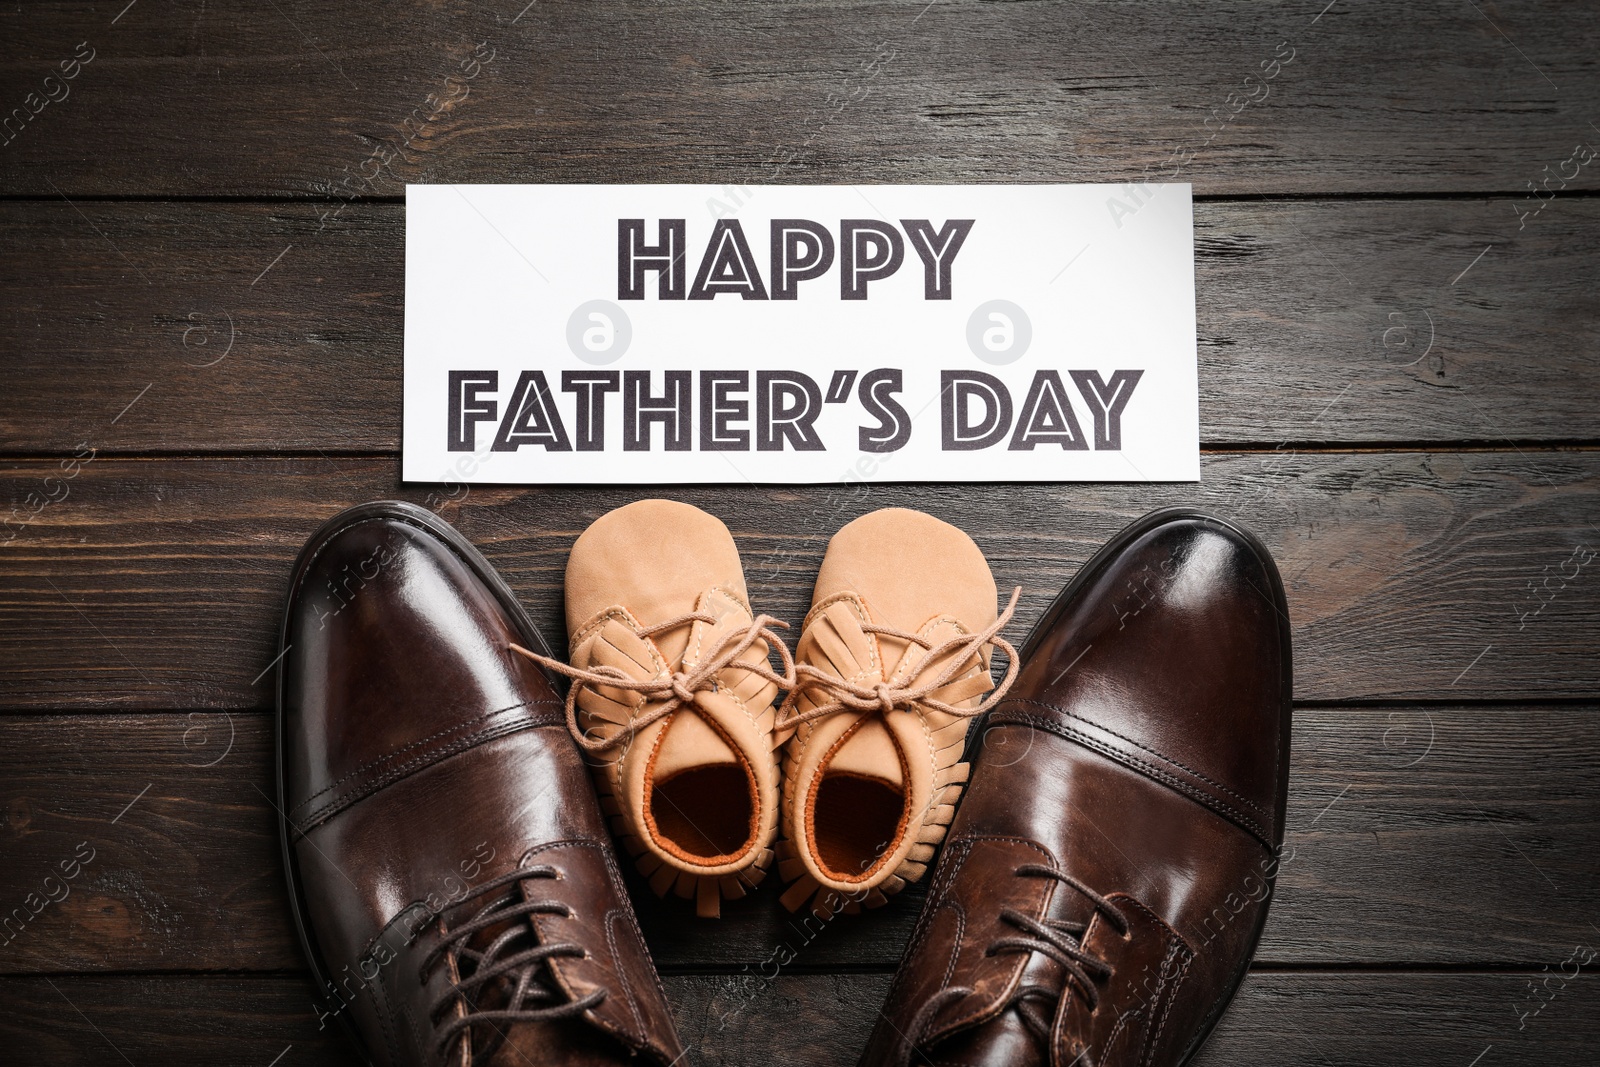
(679, 687)
(917, 688)
(501, 983)
(1060, 940)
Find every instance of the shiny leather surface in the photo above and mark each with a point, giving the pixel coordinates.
(1144, 752)
(420, 759)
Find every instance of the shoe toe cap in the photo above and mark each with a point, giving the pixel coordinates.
(390, 639)
(1174, 650)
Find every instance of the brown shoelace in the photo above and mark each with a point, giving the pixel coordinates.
(678, 688)
(502, 983)
(962, 650)
(1058, 939)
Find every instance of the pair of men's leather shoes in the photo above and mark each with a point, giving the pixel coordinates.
(460, 903)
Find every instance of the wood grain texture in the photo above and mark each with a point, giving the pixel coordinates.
(159, 583)
(291, 98)
(1438, 836)
(1294, 1020)
(247, 327)
(204, 254)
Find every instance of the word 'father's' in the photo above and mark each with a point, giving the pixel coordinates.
(977, 410)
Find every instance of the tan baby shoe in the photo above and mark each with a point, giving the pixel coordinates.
(891, 666)
(672, 697)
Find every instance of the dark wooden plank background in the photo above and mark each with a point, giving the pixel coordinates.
(1400, 390)
(1379, 97)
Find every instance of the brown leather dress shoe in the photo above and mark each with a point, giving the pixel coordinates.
(1105, 881)
(449, 868)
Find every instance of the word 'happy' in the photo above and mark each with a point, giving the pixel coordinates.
(867, 250)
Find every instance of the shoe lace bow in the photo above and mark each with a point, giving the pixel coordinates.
(673, 689)
(918, 687)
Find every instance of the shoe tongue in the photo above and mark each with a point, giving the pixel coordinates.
(497, 992)
(835, 642)
(494, 995)
(519, 1043)
(689, 741)
(565, 1041)
(870, 752)
(1007, 1038)
(1004, 1039)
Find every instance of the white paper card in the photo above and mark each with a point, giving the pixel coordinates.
(687, 333)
